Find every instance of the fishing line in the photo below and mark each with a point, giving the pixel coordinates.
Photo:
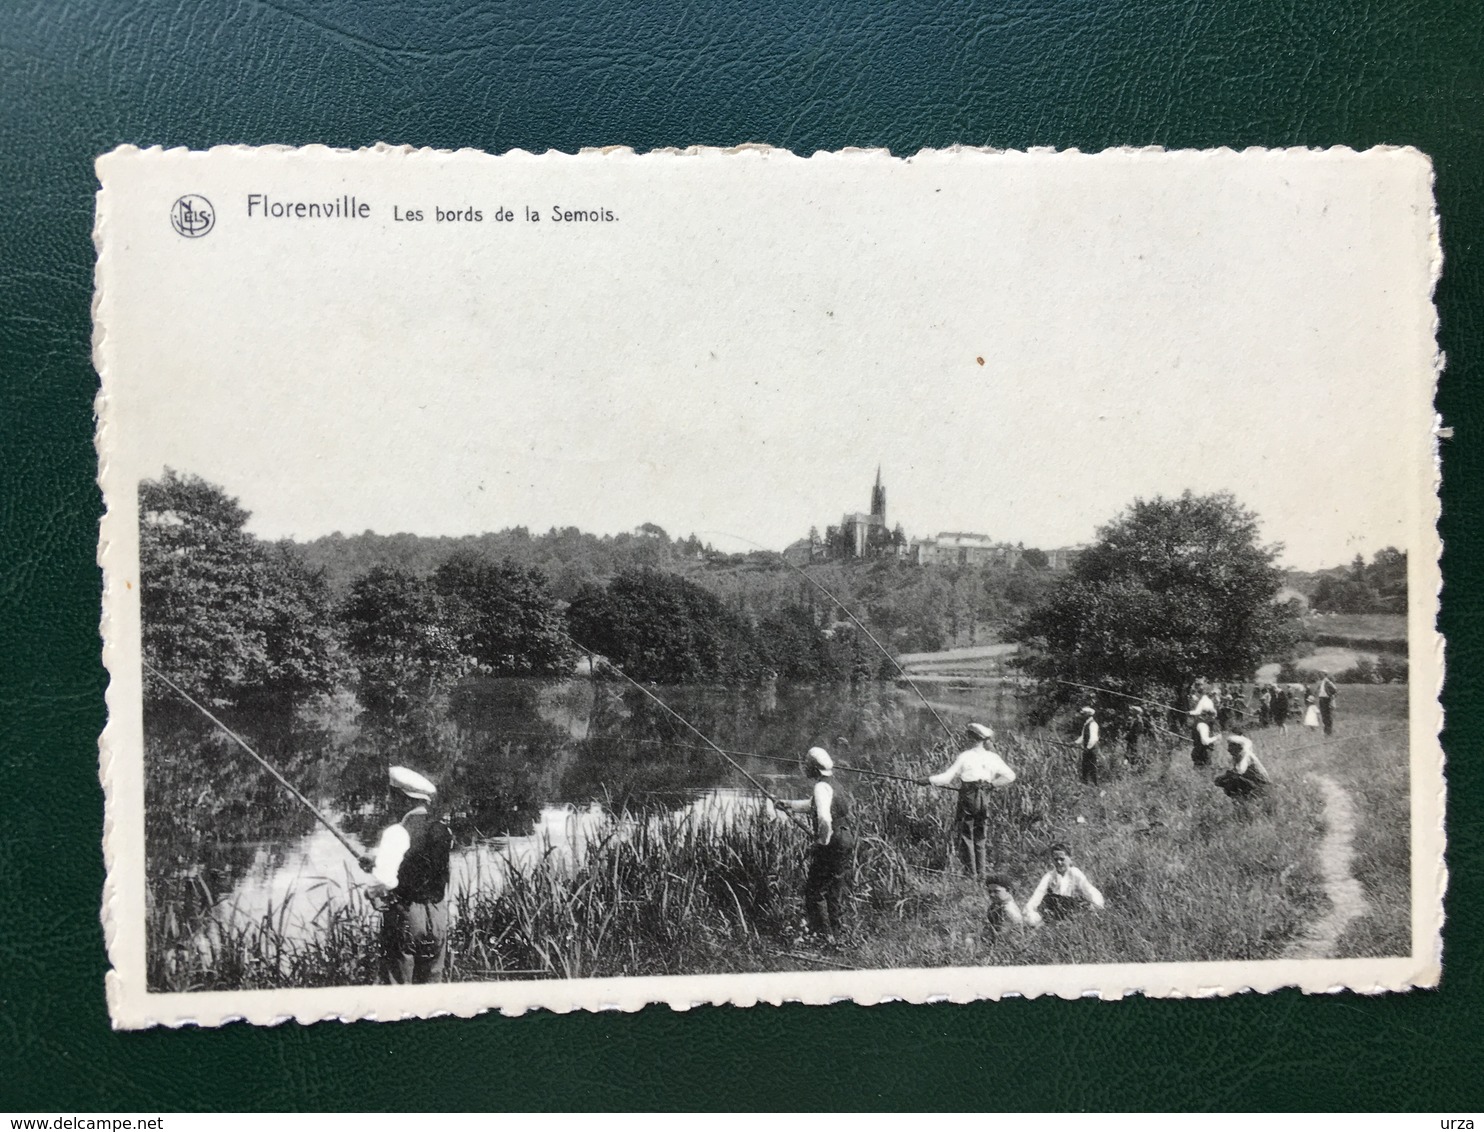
(687, 723)
(1124, 695)
(289, 786)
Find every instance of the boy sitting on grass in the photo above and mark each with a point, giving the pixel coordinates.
(1003, 911)
(1063, 891)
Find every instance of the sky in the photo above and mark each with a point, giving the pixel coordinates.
(1025, 345)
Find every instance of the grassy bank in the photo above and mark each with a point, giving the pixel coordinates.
(1186, 876)
(1370, 761)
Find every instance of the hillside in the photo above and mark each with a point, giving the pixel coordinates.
(910, 608)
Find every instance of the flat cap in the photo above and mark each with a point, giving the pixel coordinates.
(411, 783)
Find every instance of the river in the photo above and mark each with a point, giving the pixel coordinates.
(524, 768)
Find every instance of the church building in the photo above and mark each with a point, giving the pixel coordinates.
(865, 536)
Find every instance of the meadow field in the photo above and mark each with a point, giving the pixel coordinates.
(1188, 875)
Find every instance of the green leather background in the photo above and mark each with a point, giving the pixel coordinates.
(77, 78)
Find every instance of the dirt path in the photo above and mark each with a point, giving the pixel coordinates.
(1347, 899)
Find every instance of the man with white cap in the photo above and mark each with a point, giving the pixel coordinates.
(976, 772)
(1087, 743)
(411, 866)
(832, 855)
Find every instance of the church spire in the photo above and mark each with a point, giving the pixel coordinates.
(878, 498)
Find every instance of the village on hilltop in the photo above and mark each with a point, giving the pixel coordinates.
(866, 535)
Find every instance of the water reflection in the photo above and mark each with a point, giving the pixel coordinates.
(526, 769)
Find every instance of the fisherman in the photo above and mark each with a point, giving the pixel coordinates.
(1003, 911)
(410, 867)
(1327, 691)
(1264, 705)
(976, 771)
(1247, 778)
(832, 855)
(1203, 736)
(1087, 744)
(1064, 890)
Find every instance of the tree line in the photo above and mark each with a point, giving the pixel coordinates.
(1171, 589)
(237, 620)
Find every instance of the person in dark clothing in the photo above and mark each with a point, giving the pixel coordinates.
(410, 867)
(1326, 695)
(1087, 744)
(1278, 710)
(832, 855)
(1202, 737)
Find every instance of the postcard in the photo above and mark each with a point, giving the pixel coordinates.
(728, 576)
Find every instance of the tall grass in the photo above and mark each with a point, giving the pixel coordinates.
(1187, 876)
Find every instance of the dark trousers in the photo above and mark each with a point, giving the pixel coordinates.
(1089, 769)
(826, 884)
(1054, 907)
(973, 828)
(1200, 754)
(1327, 713)
(414, 942)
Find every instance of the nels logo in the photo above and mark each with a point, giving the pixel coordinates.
(192, 216)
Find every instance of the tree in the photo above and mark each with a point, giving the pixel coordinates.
(1035, 559)
(398, 634)
(1380, 587)
(226, 617)
(791, 643)
(1171, 589)
(661, 627)
(503, 616)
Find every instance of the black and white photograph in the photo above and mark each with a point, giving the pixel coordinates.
(547, 581)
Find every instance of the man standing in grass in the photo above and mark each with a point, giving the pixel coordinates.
(1279, 710)
(832, 855)
(1087, 745)
(410, 867)
(1327, 692)
(976, 772)
(1063, 891)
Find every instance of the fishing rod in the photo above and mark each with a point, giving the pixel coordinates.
(1124, 695)
(687, 723)
(952, 734)
(287, 785)
(849, 770)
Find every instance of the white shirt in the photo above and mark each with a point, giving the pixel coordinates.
(393, 846)
(1073, 882)
(977, 764)
(819, 802)
(1089, 737)
(1203, 730)
(1205, 703)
